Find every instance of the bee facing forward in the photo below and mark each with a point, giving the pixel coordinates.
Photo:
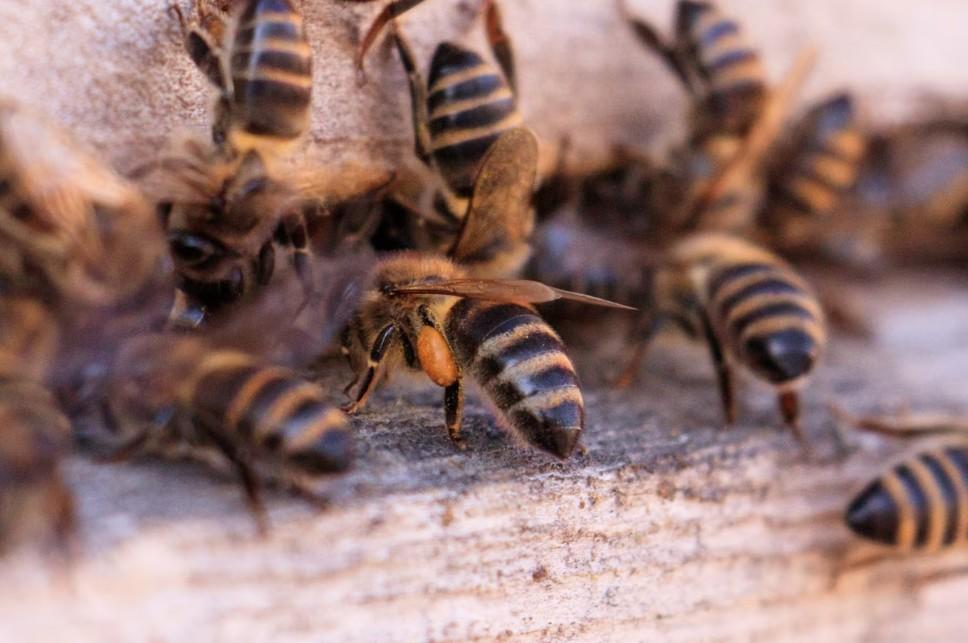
(465, 105)
(433, 314)
(227, 205)
(749, 306)
(921, 502)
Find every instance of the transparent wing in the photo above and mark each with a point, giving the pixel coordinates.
(518, 291)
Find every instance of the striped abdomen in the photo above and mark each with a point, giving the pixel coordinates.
(826, 160)
(731, 69)
(767, 317)
(521, 364)
(921, 503)
(272, 409)
(469, 104)
(271, 69)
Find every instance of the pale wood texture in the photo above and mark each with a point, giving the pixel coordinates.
(669, 528)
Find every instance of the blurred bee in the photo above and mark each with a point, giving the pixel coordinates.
(717, 67)
(465, 105)
(185, 395)
(808, 184)
(436, 315)
(748, 305)
(717, 181)
(917, 173)
(921, 502)
(82, 268)
(227, 205)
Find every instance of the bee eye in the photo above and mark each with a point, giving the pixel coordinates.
(192, 249)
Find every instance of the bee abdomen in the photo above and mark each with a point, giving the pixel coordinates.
(828, 159)
(732, 68)
(469, 105)
(768, 317)
(921, 503)
(271, 67)
(521, 364)
(274, 410)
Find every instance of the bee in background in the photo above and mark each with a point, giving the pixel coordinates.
(82, 264)
(748, 305)
(435, 314)
(186, 395)
(465, 105)
(921, 502)
(716, 66)
(809, 183)
(917, 173)
(718, 177)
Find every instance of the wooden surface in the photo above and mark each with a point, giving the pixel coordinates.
(669, 528)
(116, 74)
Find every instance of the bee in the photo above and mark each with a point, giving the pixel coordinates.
(715, 181)
(186, 394)
(465, 105)
(921, 502)
(434, 314)
(748, 305)
(82, 266)
(717, 67)
(826, 153)
(226, 205)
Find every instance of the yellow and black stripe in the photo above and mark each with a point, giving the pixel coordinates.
(826, 157)
(271, 70)
(919, 504)
(270, 408)
(521, 364)
(768, 317)
(732, 71)
(469, 105)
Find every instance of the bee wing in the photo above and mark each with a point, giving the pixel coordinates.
(500, 206)
(515, 291)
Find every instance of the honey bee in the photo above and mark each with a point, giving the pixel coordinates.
(465, 105)
(716, 66)
(919, 503)
(748, 305)
(716, 180)
(82, 268)
(432, 314)
(184, 394)
(227, 205)
(823, 163)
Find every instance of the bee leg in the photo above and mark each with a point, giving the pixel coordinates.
(724, 374)
(438, 361)
(418, 97)
(389, 13)
(645, 333)
(454, 412)
(247, 476)
(381, 344)
(789, 402)
(500, 44)
(294, 236)
(649, 37)
(201, 46)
